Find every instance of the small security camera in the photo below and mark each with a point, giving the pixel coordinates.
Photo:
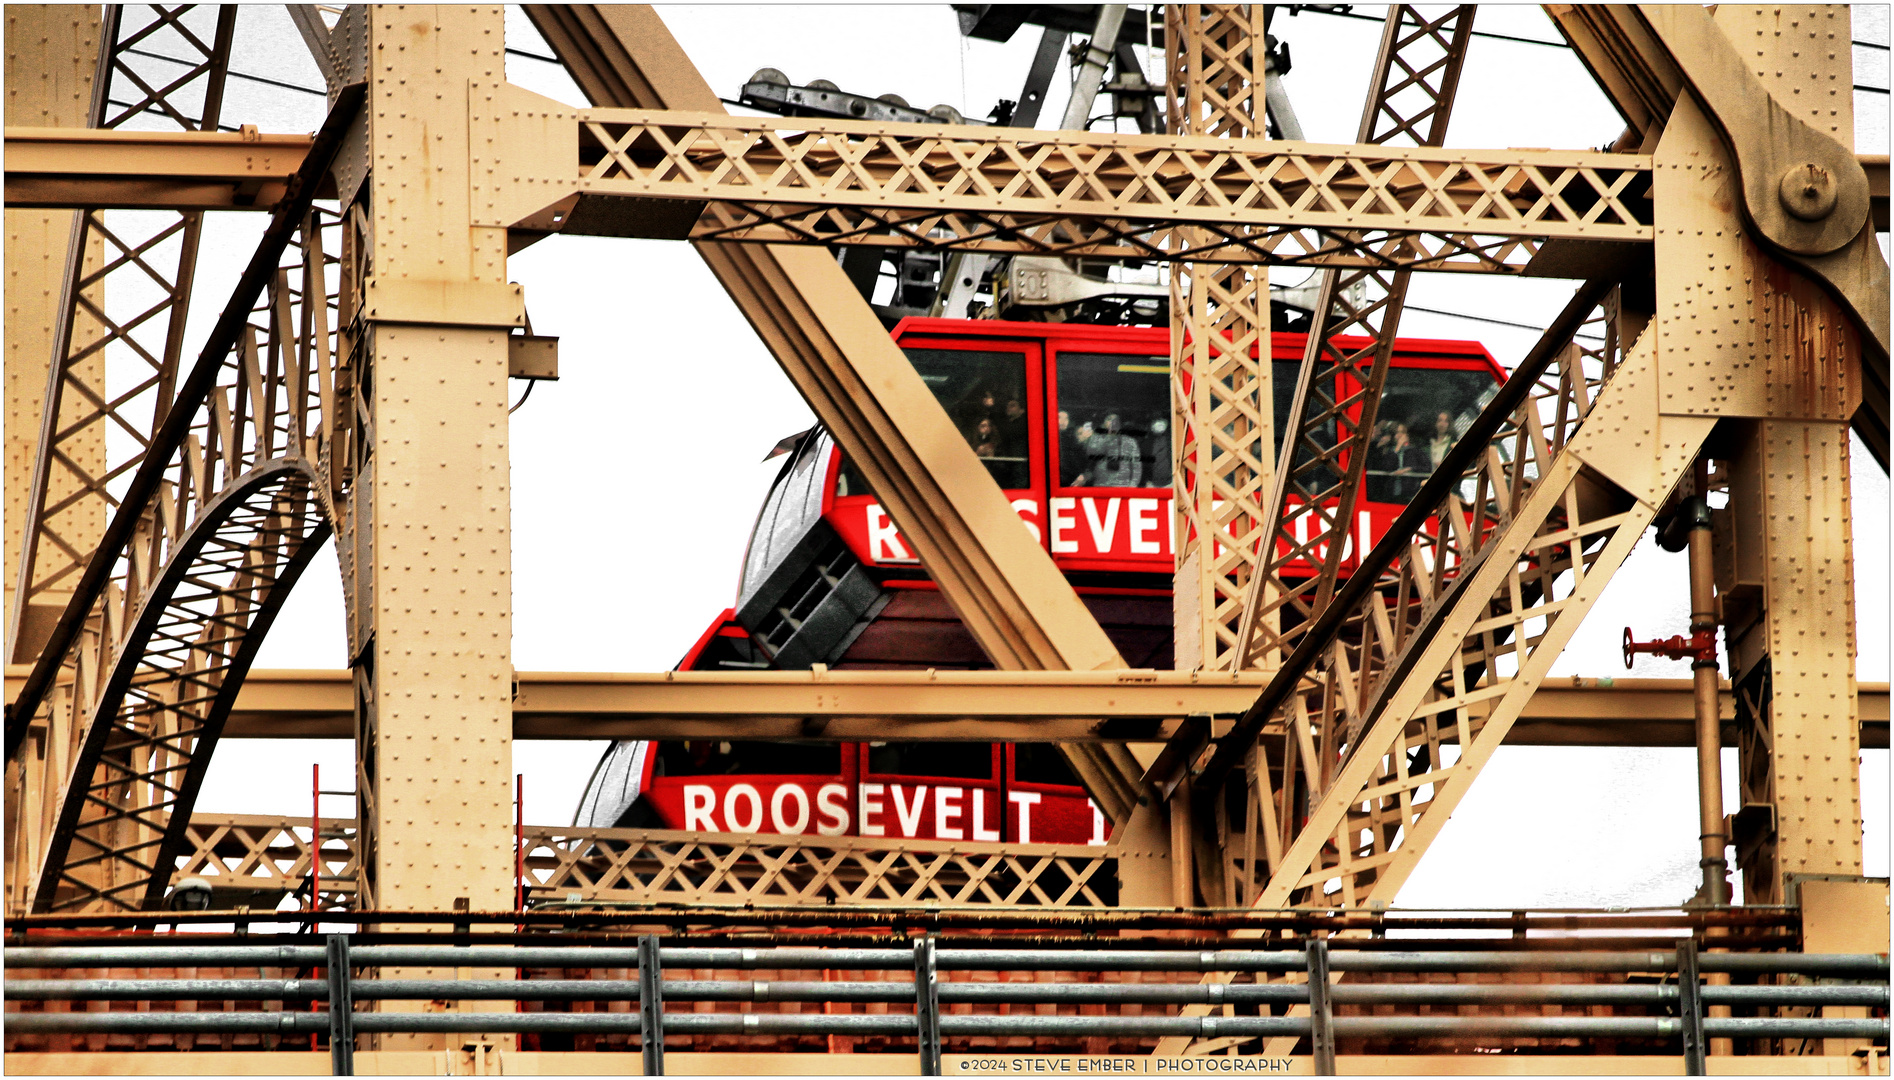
(191, 894)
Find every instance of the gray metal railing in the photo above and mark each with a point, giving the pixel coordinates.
(1687, 997)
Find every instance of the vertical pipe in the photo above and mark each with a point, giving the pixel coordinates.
(315, 840)
(315, 868)
(519, 841)
(1703, 672)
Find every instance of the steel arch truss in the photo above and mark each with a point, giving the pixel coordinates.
(146, 685)
(160, 707)
(127, 294)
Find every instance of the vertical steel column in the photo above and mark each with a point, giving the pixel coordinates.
(341, 1008)
(1222, 431)
(927, 1004)
(51, 59)
(1321, 1011)
(430, 512)
(1690, 1007)
(651, 1004)
(1785, 557)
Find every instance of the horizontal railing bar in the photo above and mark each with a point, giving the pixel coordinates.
(1806, 1027)
(297, 1023)
(1842, 994)
(1838, 965)
(975, 917)
(903, 992)
(155, 955)
(790, 958)
(167, 989)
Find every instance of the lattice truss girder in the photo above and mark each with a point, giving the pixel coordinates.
(257, 860)
(146, 687)
(1431, 667)
(1332, 418)
(267, 858)
(126, 294)
(1522, 511)
(1186, 196)
(1222, 402)
(655, 867)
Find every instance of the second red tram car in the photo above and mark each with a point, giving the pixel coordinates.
(1073, 423)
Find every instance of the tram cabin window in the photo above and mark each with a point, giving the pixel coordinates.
(1423, 413)
(849, 480)
(984, 394)
(1114, 420)
(965, 761)
(703, 757)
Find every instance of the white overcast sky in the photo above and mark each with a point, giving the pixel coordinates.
(637, 475)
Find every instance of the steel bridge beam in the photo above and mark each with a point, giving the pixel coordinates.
(149, 170)
(90, 168)
(996, 706)
(815, 180)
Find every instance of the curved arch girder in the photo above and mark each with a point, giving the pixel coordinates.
(146, 744)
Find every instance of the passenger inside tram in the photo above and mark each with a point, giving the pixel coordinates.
(1423, 412)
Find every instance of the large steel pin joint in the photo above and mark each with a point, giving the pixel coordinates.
(1807, 191)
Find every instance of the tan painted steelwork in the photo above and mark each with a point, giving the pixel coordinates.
(1747, 361)
(204, 541)
(1325, 450)
(1222, 375)
(51, 60)
(256, 860)
(1028, 706)
(149, 170)
(425, 315)
(429, 511)
(809, 180)
(1636, 70)
(70, 493)
(1791, 639)
(800, 302)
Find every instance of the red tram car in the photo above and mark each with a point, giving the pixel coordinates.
(1072, 421)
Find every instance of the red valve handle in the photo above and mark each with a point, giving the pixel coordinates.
(1699, 647)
